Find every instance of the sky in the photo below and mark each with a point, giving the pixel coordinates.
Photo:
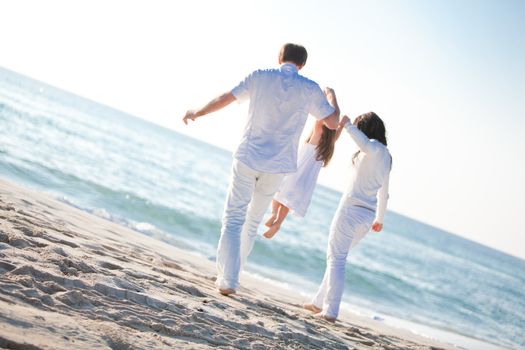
(447, 78)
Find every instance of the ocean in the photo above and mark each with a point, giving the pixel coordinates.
(172, 187)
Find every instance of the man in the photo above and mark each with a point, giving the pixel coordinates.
(280, 102)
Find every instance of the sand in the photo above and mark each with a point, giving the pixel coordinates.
(71, 280)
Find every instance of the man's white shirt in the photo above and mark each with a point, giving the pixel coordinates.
(280, 102)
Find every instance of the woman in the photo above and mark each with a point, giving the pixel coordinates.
(362, 207)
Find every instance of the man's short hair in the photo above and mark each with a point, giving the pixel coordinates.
(294, 53)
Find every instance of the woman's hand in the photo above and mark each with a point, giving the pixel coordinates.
(377, 226)
(344, 120)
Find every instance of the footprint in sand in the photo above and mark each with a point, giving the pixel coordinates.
(171, 264)
(241, 314)
(98, 252)
(114, 341)
(19, 243)
(166, 272)
(74, 299)
(124, 284)
(6, 343)
(28, 231)
(190, 290)
(7, 206)
(73, 268)
(50, 287)
(217, 304)
(110, 266)
(5, 267)
(64, 242)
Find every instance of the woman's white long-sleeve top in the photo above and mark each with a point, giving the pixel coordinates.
(369, 182)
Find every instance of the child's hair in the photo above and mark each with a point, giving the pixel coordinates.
(325, 148)
(372, 126)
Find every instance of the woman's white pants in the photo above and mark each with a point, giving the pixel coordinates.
(349, 225)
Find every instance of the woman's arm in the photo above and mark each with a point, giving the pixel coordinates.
(362, 141)
(382, 199)
(341, 126)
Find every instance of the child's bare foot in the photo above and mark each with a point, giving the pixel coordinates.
(312, 307)
(271, 220)
(272, 231)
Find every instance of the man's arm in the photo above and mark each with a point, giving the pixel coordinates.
(332, 121)
(212, 106)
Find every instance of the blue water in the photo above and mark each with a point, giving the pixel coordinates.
(173, 187)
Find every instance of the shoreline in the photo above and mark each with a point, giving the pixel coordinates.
(432, 332)
(367, 317)
(72, 279)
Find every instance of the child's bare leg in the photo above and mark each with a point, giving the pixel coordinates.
(281, 215)
(275, 209)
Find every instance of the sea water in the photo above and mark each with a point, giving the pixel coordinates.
(173, 187)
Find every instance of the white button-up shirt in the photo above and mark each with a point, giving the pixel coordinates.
(280, 101)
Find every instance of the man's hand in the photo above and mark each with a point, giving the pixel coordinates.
(190, 115)
(344, 120)
(377, 226)
(330, 96)
(332, 121)
(212, 106)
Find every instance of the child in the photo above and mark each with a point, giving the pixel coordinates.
(357, 212)
(296, 189)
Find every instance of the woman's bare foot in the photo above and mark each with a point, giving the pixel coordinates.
(312, 307)
(272, 231)
(325, 318)
(271, 220)
(226, 291)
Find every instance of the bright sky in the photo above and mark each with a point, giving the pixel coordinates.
(447, 77)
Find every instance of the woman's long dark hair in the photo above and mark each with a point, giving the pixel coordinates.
(325, 148)
(372, 126)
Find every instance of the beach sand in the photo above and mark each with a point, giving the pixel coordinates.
(72, 280)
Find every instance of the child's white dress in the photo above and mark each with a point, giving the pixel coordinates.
(297, 188)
